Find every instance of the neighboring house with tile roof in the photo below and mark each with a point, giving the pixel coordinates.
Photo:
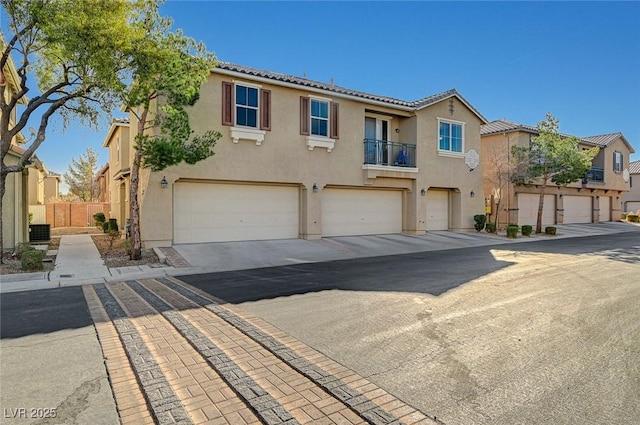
(596, 198)
(631, 199)
(305, 159)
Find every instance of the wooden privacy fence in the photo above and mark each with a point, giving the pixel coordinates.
(68, 214)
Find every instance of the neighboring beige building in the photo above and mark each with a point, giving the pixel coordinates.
(305, 159)
(104, 183)
(15, 208)
(118, 170)
(631, 199)
(596, 198)
(52, 186)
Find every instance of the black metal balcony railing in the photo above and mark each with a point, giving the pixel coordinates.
(594, 174)
(382, 152)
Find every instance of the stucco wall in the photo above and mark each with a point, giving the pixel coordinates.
(284, 158)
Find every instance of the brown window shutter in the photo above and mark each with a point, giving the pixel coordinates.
(335, 121)
(227, 103)
(305, 116)
(265, 110)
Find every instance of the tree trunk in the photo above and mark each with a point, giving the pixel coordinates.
(3, 181)
(495, 222)
(134, 213)
(540, 208)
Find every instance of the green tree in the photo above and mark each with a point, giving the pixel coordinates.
(168, 71)
(550, 157)
(81, 176)
(77, 49)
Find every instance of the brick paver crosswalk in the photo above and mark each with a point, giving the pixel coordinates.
(175, 355)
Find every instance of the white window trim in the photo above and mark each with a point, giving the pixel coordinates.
(450, 153)
(618, 154)
(235, 106)
(247, 133)
(328, 102)
(320, 142)
(118, 150)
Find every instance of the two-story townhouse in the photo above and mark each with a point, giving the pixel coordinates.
(37, 175)
(305, 159)
(15, 207)
(631, 199)
(595, 198)
(118, 170)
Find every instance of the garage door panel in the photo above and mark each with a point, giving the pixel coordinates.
(207, 212)
(349, 212)
(528, 204)
(577, 209)
(632, 206)
(437, 210)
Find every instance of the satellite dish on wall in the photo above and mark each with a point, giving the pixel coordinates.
(625, 175)
(472, 159)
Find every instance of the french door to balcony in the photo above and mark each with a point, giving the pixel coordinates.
(377, 132)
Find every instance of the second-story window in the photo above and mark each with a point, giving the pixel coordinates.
(319, 118)
(246, 106)
(451, 137)
(617, 162)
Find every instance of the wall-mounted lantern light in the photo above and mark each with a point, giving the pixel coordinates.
(472, 194)
(561, 196)
(423, 192)
(164, 183)
(315, 188)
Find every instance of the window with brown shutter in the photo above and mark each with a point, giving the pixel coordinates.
(265, 110)
(335, 122)
(227, 103)
(305, 118)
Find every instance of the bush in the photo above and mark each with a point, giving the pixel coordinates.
(105, 227)
(490, 228)
(113, 225)
(99, 219)
(480, 220)
(512, 231)
(623, 215)
(550, 230)
(127, 246)
(633, 218)
(112, 236)
(32, 260)
(21, 248)
(527, 230)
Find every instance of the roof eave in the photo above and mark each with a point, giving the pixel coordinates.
(461, 99)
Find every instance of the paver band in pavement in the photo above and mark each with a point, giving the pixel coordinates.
(357, 402)
(265, 406)
(164, 403)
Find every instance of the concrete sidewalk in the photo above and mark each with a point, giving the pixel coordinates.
(78, 261)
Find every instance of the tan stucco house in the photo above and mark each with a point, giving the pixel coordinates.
(117, 172)
(15, 213)
(305, 159)
(596, 198)
(44, 185)
(631, 199)
(104, 183)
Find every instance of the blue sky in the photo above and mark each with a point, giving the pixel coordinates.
(514, 60)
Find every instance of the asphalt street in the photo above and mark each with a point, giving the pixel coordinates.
(543, 332)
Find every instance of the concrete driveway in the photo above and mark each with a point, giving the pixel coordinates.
(225, 256)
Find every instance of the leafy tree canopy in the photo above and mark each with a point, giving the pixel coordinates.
(81, 176)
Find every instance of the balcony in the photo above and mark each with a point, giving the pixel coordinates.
(389, 154)
(594, 175)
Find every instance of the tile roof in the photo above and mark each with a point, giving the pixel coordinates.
(304, 82)
(500, 126)
(634, 167)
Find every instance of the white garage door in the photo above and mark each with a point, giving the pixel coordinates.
(528, 209)
(632, 206)
(206, 212)
(605, 208)
(348, 212)
(577, 209)
(437, 210)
